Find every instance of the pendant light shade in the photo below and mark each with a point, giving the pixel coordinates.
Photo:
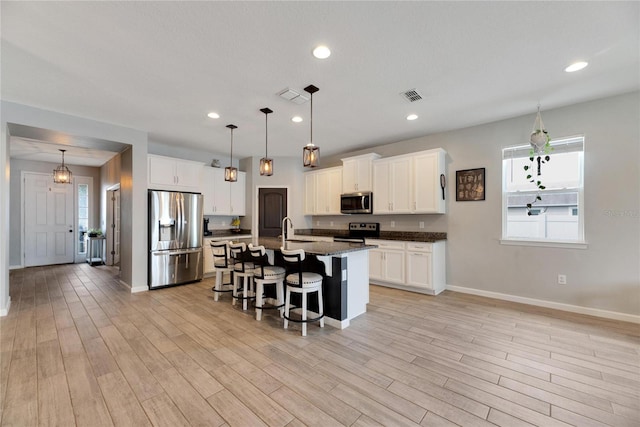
(311, 153)
(266, 164)
(62, 174)
(231, 173)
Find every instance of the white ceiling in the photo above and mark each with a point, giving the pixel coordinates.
(162, 66)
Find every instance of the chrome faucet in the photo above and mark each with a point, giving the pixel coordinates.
(284, 228)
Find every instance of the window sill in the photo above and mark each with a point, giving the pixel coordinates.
(545, 243)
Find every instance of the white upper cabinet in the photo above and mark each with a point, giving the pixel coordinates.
(428, 196)
(356, 173)
(309, 193)
(222, 197)
(409, 184)
(322, 191)
(168, 173)
(392, 186)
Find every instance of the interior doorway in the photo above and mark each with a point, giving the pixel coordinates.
(113, 225)
(272, 208)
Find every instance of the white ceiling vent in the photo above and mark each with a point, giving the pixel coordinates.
(293, 96)
(411, 95)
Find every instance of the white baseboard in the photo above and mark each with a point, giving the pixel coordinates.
(15, 267)
(5, 310)
(136, 289)
(549, 304)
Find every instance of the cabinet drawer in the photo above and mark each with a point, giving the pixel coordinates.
(387, 244)
(420, 247)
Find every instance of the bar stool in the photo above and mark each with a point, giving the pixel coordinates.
(242, 270)
(266, 274)
(303, 283)
(223, 264)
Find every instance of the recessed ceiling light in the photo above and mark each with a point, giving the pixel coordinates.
(576, 66)
(296, 119)
(412, 117)
(321, 52)
(213, 115)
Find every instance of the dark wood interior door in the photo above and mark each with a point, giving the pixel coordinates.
(272, 209)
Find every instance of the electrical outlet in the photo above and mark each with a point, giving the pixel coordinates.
(562, 279)
(317, 223)
(421, 224)
(331, 223)
(393, 224)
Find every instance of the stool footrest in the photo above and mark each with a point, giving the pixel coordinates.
(315, 319)
(269, 307)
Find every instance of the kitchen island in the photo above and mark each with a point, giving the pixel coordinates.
(345, 271)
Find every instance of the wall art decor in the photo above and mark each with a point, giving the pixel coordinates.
(470, 185)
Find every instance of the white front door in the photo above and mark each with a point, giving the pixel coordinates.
(48, 221)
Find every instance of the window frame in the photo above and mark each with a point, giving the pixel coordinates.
(579, 243)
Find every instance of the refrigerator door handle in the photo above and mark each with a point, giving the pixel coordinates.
(176, 253)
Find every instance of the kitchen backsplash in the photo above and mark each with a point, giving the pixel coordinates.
(434, 223)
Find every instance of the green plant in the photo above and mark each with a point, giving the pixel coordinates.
(94, 232)
(540, 142)
(235, 222)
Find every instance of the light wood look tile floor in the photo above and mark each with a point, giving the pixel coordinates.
(78, 349)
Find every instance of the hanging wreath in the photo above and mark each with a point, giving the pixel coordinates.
(538, 155)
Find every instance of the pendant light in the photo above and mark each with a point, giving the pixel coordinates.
(62, 174)
(311, 153)
(266, 164)
(231, 173)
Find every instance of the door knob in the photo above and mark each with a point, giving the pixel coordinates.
(70, 231)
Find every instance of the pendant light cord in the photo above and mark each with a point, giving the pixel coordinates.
(311, 138)
(231, 163)
(266, 132)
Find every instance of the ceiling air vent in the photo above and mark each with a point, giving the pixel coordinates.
(411, 95)
(293, 96)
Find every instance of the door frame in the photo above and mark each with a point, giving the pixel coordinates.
(22, 222)
(256, 209)
(109, 229)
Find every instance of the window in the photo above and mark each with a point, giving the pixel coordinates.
(558, 217)
(83, 215)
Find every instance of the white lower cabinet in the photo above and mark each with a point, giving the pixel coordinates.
(386, 263)
(416, 266)
(419, 264)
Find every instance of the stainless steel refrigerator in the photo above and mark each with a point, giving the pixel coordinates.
(175, 238)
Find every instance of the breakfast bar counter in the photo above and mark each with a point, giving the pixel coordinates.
(345, 270)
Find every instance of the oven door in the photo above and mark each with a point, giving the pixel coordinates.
(356, 203)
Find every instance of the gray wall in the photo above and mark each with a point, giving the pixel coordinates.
(109, 176)
(19, 166)
(605, 276)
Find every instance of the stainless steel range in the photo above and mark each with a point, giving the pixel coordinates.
(358, 231)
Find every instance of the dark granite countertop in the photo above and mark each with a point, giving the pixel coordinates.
(229, 233)
(409, 236)
(315, 248)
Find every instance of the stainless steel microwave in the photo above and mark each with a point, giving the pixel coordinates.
(356, 203)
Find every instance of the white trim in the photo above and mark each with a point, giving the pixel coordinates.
(16, 267)
(624, 317)
(544, 243)
(5, 310)
(134, 289)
